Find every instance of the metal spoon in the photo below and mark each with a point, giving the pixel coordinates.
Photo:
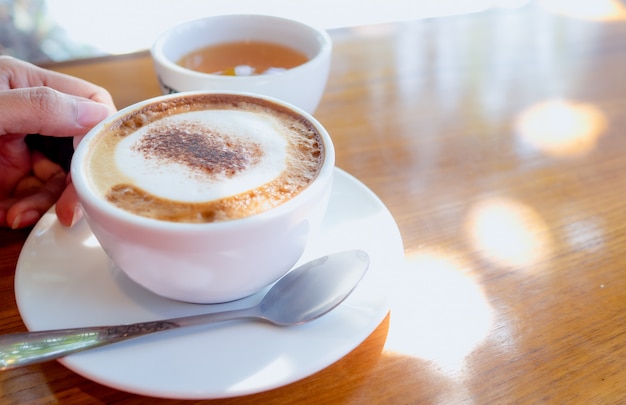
(304, 294)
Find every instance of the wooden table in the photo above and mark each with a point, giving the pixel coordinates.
(497, 142)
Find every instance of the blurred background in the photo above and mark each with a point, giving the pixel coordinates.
(43, 31)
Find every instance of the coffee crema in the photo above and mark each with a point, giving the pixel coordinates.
(205, 158)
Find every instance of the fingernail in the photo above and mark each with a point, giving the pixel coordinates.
(16, 222)
(78, 214)
(89, 113)
(25, 219)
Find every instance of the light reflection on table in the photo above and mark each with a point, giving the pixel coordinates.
(496, 141)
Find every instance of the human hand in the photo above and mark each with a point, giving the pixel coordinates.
(35, 100)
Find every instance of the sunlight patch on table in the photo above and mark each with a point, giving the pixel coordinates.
(561, 127)
(591, 10)
(508, 233)
(438, 311)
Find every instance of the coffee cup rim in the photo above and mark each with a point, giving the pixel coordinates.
(156, 50)
(86, 191)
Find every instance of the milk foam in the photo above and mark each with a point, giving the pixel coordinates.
(171, 179)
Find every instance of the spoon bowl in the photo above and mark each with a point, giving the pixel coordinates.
(314, 288)
(302, 295)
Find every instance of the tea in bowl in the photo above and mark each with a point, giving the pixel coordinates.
(205, 197)
(262, 54)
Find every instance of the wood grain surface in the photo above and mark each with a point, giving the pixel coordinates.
(497, 140)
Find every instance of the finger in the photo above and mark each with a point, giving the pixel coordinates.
(77, 140)
(15, 74)
(28, 210)
(43, 170)
(43, 167)
(15, 161)
(68, 209)
(45, 111)
(27, 186)
(5, 204)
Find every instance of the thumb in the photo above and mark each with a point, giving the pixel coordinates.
(45, 111)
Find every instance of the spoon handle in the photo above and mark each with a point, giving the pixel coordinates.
(21, 349)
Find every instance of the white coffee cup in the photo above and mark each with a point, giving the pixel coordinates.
(302, 86)
(204, 262)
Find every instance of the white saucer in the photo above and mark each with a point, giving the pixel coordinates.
(64, 279)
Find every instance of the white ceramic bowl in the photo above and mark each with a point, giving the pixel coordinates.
(208, 262)
(302, 86)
